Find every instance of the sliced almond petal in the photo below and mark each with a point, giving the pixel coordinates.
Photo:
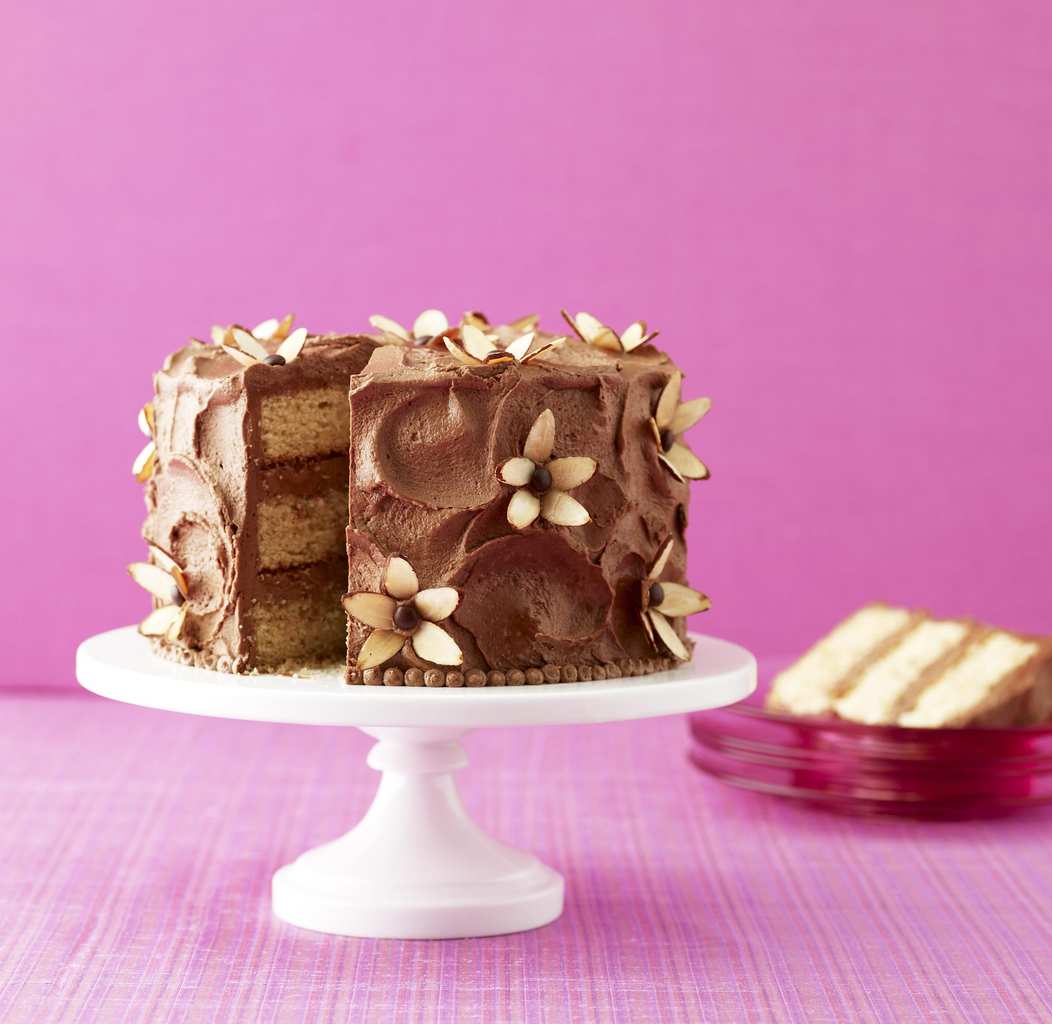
(656, 431)
(430, 323)
(153, 579)
(375, 610)
(242, 357)
(647, 628)
(608, 339)
(244, 341)
(520, 346)
(400, 578)
(293, 344)
(671, 468)
(437, 603)
(516, 472)
(218, 334)
(662, 560)
(541, 439)
(172, 632)
(163, 560)
(523, 509)
(476, 319)
(458, 353)
(389, 326)
(686, 463)
(668, 635)
(434, 644)
(688, 413)
(381, 645)
(538, 352)
(573, 324)
(666, 407)
(266, 330)
(475, 342)
(589, 326)
(525, 323)
(145, 463)
(680, 600)
(632, 336)
(284, 326)
(562, 510)
(571, 472)
(147, 423)
(158, 622)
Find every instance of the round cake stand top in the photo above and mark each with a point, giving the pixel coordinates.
(120, 665)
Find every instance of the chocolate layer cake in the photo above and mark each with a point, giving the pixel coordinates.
(516, 508)
(893, 666)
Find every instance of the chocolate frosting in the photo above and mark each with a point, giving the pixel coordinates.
(427, 437)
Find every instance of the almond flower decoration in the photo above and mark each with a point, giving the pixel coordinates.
(269, 330)
(403, 613)
(247, 349)
(664, 601)
(594, 332)
(542, 481)
(163, 578)
(146, 461)
(432, 323)
(671, 418)
(477, 348)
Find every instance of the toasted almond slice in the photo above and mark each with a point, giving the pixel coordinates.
(647, 628)
(400, 579)
(525, 323)
(688, 413)
(668, 635)
(293, 344)
(437, 603)
(607, 339)
(523, 509)
(632, 336)
(537, 352)
(381, 645)
(147, 423)
(662, 560)
(244, 341)
(242, 357)
(145, 463)
(562, 510)
(161, 558)
(476, 319)
(519, 348)
(172, 632)
(458, 353)
(669, 400)
(541, 439)
(434, 644)
(153, 579)
(375, 610)
(656, 431)
(430, 323)
(687, 463)
(516, 472)
(284, 326)
(266, 330)
(475, 342)
(571, 472)
(389, 326)
(218, 334)
(590, 327)
(680, 600)
(671, 468)
(573, 324)
(160, 620)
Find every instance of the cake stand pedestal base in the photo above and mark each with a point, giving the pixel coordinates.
(416, 866)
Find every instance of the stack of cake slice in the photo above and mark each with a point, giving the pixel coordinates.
(892, 666)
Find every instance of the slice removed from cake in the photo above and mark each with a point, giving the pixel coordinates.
(811, 685)
(991, 671)
(890, 684)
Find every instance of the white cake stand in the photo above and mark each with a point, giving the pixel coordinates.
(416, 866)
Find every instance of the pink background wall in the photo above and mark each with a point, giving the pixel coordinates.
(837, 213)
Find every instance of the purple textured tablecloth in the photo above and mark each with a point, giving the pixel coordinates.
(136, 849)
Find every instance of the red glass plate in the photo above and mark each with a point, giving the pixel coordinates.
(875, 770)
